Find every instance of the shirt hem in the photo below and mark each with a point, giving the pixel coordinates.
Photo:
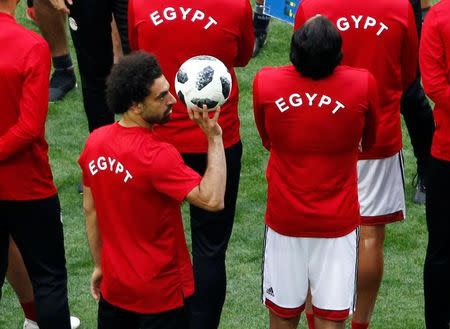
(315, 234)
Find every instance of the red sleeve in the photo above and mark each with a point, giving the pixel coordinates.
(171, 176)
(299, 18)
(372, 115)
(258, 112)
(433, 62)
(132, 34)
(33, 106)
(410, 51)
(247, 37)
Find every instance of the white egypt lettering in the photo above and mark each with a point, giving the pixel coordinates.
(314, 99)
(361, 22)
(107, 163)
(170, 14)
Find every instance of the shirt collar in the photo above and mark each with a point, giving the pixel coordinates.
(7, 16)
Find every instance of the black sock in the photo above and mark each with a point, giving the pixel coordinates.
(260, 22)
(63, 62)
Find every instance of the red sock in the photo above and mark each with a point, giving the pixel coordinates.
(29, 309)
(310, 319)
(356, 325)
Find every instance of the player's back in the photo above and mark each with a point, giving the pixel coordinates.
(373, 32)
(18, 45)
(313, 128)
(177, 30)
(129, 174)
(379, 36)
(24, 73)
(308, 121)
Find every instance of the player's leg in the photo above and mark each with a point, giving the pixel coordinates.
(260, 26)
(117, 44)
(277, 322)
(120, 10)
(17, 277)
(418, 117)
(285, 278)
(37, 231)
(210, 235)
(19, 280)
(437, 261)
(173, 319)
(370, 271)
(332, 277)
(309, 311)
(327, 324)
(90, 27)
(382, 201)
(4, 244)
(52, 24)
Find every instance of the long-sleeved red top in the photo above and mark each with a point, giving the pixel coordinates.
(24, 81)
(435, 67)
(313, 129)
(379, 36)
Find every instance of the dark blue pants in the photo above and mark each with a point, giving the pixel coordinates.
(211, 232)
(113, 317)
(417, 112)
(437, 261)
(90, 27)
(37, 230)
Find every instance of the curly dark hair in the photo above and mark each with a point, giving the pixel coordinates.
(316, 48)
(130, 80)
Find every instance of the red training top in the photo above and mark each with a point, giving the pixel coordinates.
(138, 183)
(435, 68)
(313, 130)
(379, 36)
(182, 29)
(24, 78)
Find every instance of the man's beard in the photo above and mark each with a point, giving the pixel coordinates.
(164, 119)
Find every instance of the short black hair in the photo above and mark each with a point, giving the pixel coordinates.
(316, 48)
(130, 80)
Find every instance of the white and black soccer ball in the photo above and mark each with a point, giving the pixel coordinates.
(203, 80)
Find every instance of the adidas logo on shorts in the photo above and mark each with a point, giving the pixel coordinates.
(270, 292)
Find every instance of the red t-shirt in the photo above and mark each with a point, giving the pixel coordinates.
(24, 78)
(138, 183)
(179, 29)
(379, 36)
(435, 68)
(313, 129)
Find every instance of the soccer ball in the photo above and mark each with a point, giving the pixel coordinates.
(203, 80)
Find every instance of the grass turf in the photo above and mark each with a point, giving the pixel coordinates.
(400, 302)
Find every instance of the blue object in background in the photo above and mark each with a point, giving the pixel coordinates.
(284, 10)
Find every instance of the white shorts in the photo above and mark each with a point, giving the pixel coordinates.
(381, 190)
(291, 265)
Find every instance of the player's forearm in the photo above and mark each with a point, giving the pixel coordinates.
(93, 236)
(11, 144)
(212, 186)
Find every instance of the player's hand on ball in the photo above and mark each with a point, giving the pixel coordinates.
(96, 280)
(207, 123)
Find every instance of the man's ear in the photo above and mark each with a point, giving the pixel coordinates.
(137, 108)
